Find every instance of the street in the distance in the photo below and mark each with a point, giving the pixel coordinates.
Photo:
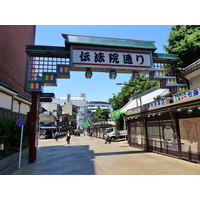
(86, 156)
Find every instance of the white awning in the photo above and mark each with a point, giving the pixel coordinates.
(144, 99)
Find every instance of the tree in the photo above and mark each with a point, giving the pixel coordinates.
(116, 114)
(101, 115)
(184, 42)
(122, 98)
(86, 125)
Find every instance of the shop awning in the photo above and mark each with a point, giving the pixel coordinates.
(50, 127)
(146, 97)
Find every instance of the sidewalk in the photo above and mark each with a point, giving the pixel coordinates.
(86, 156)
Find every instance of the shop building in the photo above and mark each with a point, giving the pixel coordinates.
(14, 102)
(169, 125)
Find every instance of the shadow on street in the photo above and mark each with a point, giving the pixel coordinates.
(118, 153)
(65, 160)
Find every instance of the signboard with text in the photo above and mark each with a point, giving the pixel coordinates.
(47, 95)
(97, 57)
(45, 99)
(185, 95)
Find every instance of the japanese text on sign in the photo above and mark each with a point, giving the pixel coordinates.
(110, 58)
(186, 95)
(160, 102)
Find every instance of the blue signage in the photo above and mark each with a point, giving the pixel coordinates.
(20, 122)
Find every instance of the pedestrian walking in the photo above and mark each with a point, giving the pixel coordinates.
(52, 134)
(107, 139)
(91, 134)
(68, 137)
(56, 136)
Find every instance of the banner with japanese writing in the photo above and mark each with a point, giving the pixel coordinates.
(112, 58)
(188, 94)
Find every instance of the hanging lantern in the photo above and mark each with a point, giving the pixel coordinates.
(88, 73)
(135, 75)
(112, 74)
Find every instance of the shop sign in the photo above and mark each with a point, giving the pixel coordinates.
(85, 56)
(133, 110)
(45, 99)
(185, 95)
(47, 95)
(154, 104)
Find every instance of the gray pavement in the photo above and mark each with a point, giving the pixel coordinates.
(86, 156)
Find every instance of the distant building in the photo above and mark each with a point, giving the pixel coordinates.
(71, 111)
(47, 120)
(92, 107)
(54, 108)
(80, 103)
(85, 110)
(50, 118)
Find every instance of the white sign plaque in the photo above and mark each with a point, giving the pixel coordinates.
(112, 58)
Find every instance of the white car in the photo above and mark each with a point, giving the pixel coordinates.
(42, 136)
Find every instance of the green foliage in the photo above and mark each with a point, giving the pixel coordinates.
(86, 124)
(116, 114)
(10, 135)
(127, 91)
(101, 115)
(7, 128)
(184, 42)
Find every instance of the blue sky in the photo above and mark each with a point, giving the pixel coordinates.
(99, 87)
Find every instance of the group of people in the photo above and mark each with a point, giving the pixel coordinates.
(68, 136)
(57, 135)
(60, 135)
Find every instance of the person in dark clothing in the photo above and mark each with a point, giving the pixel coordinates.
(91, 134)
(107, 139)
(68, 137)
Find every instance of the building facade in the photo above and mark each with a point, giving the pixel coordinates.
(80, 102)
(14, 102)
(92, 107)
(54, 108)
(169, 127)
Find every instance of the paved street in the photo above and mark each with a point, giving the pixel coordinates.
(86, 156)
